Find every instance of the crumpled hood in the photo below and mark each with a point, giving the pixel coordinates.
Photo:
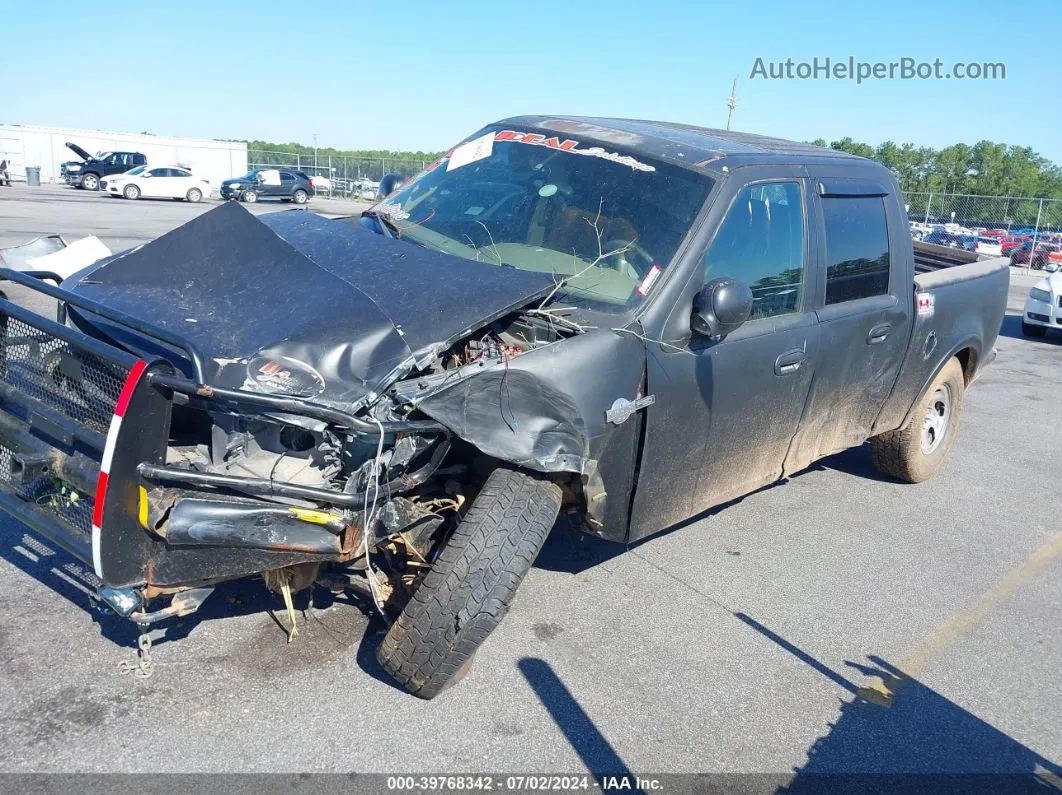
(294, 303)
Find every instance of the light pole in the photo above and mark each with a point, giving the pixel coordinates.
(315, 153)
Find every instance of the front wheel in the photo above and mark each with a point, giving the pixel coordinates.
(471, 584)
(916, 451)
(194, 195)
(250, 196)
(300, 197)
(131, 192)
(90, 182)
(1030, 330)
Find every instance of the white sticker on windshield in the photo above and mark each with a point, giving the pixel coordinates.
(474, 210)
(647, 282)
(476, 149)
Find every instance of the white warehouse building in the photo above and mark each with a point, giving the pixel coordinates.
(45, 147)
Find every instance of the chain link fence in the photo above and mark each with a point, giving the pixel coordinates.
(348, 176)
(1017, 214)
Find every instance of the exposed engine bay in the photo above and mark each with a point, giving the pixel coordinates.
(413, 484)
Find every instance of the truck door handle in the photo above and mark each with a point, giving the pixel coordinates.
(789, 362)
(879, 333)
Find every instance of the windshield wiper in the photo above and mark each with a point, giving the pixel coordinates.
(387, 224)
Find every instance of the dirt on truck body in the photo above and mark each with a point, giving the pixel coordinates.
(630, 321)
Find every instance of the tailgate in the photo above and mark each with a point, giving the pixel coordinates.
(68, 453)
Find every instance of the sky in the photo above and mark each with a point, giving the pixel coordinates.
(422, 75)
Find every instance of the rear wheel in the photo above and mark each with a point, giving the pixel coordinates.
(1030, 330)
(250, 196)
(194, 195)
(90, 182)
(471, 584)
(131, 192)
(300, 196)
(916, 451)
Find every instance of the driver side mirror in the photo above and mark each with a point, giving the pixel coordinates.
(721, 307)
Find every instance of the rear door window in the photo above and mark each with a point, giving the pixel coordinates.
(857, 248)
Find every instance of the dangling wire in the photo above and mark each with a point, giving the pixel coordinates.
(369, 513)
(503, 396)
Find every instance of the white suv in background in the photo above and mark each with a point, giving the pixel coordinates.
(157, 182)
(1043, 307)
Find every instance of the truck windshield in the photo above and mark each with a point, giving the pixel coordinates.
(603, 221)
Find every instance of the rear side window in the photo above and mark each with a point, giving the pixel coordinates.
(761, 242)
(857, 248)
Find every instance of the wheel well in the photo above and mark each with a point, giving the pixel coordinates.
(968, 359)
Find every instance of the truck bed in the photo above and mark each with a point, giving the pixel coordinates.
(929, 257)
(959, 307)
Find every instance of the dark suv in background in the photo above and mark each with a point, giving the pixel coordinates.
(88, 173)
(269, 183)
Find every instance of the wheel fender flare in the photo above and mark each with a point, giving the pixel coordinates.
(970, 342)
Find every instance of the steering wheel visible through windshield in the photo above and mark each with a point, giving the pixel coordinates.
(603, 222)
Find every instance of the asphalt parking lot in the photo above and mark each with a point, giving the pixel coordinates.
(739, 643)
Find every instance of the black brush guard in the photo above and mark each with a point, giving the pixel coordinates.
(84, 427)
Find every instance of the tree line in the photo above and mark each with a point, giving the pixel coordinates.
(986, 168)
(323, 152)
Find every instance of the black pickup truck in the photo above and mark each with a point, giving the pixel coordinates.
(92, 168)
(628, 321)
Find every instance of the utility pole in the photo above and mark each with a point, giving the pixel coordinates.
(731, 102)
(315, 153)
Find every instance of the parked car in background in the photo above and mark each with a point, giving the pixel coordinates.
(950, 240)
(990, 246)
(157, 182)
(1009, 243)
(1037, 260)
(269, 183)
(1043, 307)
(88, 174)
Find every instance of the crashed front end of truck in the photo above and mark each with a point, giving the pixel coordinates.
(177, 435)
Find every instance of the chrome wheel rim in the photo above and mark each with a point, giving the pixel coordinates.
(935, 424)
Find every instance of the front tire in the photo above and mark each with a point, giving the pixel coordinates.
(300, 197)
(249, 196)
(469, 588)
(194, 195)
(916, 451)
(1029, 330)
(90, 182)
(131, 192)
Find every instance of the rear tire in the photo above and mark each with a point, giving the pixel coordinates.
(916, 451)
(90, 182)
(472, 582)
(300, 197)
(1029, 330)
(194, 195)
(249, 196)
(131, 192)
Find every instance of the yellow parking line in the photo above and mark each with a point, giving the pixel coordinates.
(958, 625)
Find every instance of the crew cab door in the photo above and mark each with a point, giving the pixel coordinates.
(864, 307)
(726, 411)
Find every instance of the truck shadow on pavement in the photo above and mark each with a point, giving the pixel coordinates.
(899, 735)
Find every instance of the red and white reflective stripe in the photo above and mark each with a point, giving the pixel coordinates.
(108, 454)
